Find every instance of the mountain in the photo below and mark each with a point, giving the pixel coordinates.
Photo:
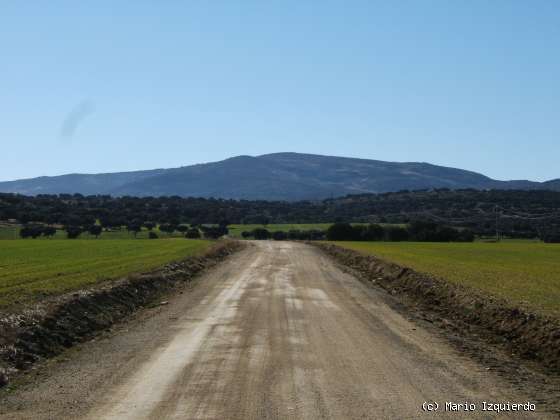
(278, 176)
(552, 185)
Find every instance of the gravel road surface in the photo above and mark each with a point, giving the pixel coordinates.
(277, 331)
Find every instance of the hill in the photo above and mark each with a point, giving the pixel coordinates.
(278, 176)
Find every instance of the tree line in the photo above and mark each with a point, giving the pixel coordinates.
(417, 231)
(36, 230)
(512, 213)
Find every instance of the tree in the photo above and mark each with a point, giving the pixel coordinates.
(214, 232)
(134, 227)
(192, 233)
(261, 234)
(73, 232)
(167, 228)
(279, 235)
(183, 228)
(95, 230)
(31, 231)
(373, 232)
(466, 235)
(340, 232)
(396, 234)
(49, 231)
(149, 225)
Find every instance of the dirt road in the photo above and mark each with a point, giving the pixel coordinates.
(278, 331)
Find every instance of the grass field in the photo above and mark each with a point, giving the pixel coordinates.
(31, 269)
(523, 272)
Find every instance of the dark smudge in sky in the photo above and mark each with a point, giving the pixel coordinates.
(75, 117)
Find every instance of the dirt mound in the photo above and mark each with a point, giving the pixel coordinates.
(46, 330)
(524, 334)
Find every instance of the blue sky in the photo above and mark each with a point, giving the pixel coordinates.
(105, 86)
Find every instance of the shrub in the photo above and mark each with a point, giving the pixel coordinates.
(95, 230)
(31, 231)
(279, 235)
(214, 232)
(183, 228)
(168, 228)
(396, 234)
(134, 227)
(552, 238)
(49, 231)
(73, 232)
(149, 225)
(373, 233)
(192, 233)
(261, 233)
(152, 235)
(340, 232)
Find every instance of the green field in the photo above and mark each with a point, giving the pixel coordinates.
(523, 272)
(31, 269)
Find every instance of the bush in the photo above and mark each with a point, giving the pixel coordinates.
(152, 235)
(134, 227)
(73, 232)
(31, 231)
(396, 234)
(192, 233)
(306, 235)
(552, 238)
(168, 228)
(340, 232)
(261, 233)
(466, 235)
(214, 232)
(279, 235)
(149, 225)
(373, 233)
(49, 231)
(95, 230)
(183, 228)
(246, 235)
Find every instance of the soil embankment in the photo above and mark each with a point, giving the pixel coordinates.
(47, 329)
(525, 335)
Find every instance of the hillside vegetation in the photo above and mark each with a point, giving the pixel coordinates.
(522, 214)
(277, 176)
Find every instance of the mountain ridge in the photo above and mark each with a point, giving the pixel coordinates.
(285, 176)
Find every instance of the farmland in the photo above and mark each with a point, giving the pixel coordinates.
(522, 272)
(32, 269)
